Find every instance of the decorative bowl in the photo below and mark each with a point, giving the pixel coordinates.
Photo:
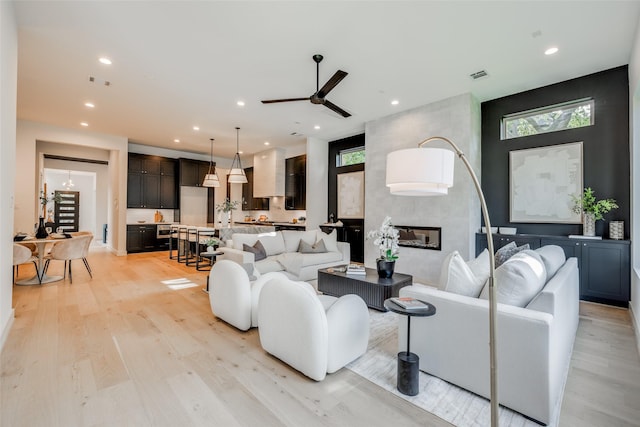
(508, 230)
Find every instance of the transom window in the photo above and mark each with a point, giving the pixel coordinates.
(351, 156)
(568, 115)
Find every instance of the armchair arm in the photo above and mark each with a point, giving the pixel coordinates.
(348, 331)
(345, 248)
(236, 255)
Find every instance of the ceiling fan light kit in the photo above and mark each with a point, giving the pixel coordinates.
(236, 174)
(319, 96)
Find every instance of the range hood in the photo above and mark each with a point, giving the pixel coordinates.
(269, 173)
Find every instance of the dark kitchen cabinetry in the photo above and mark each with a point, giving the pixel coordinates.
(142, 238)
(296, 183)
(192, 172)
(151, 182)
(250, 203)
(351, 232)
(604, 265)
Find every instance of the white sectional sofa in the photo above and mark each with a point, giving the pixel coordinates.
(284, 252)
(534, 342)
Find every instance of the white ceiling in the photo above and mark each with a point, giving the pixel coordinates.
(177, 64)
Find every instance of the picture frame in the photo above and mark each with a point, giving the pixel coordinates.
(351, 195)
(542, 182)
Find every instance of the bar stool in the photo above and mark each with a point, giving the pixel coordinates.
(183, 243)
(202, 235)
(192, 240)
(173, 234)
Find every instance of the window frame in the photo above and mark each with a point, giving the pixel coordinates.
(349, 151)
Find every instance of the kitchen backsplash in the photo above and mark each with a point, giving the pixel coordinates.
(275, 213)
(135, 215)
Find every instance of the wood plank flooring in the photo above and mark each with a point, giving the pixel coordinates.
(138, 346)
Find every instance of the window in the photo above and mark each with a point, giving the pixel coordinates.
(352, 156)
(568, 115)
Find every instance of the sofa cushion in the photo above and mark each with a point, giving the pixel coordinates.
(458, 278)
(292, 239)
(519, 279)
(480, 266)
(319, 258)
(330, 240)
(317, 248)
(257, 249)
(553, 258)
(507, 251)
(240, 239)
(273, 243)
(268, 265)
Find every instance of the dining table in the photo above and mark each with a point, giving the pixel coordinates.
(41, 245)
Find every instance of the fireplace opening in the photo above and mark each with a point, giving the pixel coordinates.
(420, 237)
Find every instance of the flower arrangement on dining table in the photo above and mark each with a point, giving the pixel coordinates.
(386, 239)
(45, 200)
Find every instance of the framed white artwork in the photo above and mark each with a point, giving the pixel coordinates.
(542, 182)
(351, 195)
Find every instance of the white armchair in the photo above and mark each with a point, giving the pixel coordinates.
(315, 334)
(233, 297)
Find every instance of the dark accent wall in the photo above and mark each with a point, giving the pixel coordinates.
(606, 158)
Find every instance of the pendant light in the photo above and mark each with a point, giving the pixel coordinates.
(211, 178)
(68, 184)
(236, 175)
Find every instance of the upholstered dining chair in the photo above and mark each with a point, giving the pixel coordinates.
(67, 251)
(23, 255)
(86, 248)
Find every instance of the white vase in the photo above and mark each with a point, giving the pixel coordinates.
(588, 224)
(230, 220)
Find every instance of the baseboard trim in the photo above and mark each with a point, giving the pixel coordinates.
(7, 328)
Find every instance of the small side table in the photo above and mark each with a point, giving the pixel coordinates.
(409, 363)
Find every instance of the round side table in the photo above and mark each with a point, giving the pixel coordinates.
(409, 363)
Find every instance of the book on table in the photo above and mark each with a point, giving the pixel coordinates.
(409, 303)
(356, 269)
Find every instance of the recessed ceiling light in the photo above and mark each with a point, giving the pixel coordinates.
(196, 128)
(395, 102)
(551, 51)
(266, 143)
(177, 141)
(85, 124)
(89, 105)
(240, 103)
(105, 61)
(316, 127)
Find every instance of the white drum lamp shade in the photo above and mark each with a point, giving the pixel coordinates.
(420, 171)
(211, 180)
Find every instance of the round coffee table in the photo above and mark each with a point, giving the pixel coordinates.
(409, 363)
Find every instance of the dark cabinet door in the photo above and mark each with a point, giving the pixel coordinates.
(151, 165)
(151, 191)
(296, 183)
(189, 173)
(203, 169)
(168, 192)
(141, 238)
(134, 190)
(168, 166)
(134, 238)
(605, 271)
(355, 236)
(135, 163)
(149, 238)
(250, 203)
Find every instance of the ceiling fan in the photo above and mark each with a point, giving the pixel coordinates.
(319, 96)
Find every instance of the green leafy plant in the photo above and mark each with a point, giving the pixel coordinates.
(44, 200)
(386, 239)
(227, 205)
(213, 241)
(590, 205)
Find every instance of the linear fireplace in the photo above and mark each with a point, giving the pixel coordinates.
(420, 237)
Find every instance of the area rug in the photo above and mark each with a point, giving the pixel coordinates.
(447, 401)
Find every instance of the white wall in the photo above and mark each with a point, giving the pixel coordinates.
(458, 213)
(317, 182)
(28, 186)
(634, 128)
(8, 99)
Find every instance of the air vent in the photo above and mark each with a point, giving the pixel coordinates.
(97, 80)
(478, 74)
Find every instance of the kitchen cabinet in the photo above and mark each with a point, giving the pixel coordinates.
(250, 203)
(296, 183)
(192, 172)
(142, 238)
(604, 265)
(151, 182)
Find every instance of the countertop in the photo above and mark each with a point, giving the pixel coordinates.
(298, 224)
(149, 223)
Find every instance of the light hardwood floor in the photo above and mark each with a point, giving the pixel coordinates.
(138, 345)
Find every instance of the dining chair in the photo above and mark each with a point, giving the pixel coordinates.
(67, 251)
(86, 248)
(23, 255)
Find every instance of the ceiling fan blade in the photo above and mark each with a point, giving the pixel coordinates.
(331, 83)
(271, 101)
(335, 108)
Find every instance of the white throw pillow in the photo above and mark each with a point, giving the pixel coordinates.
(519, 279)
(273, 244)
(457, 277)
(330, 240)
(480, 266)
(553, 258)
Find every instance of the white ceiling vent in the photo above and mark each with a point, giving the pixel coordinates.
(478, 74)
(100, 81)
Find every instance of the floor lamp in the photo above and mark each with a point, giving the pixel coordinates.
(429, 172)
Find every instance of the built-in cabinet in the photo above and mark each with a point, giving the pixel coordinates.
(192, 172)
(250, 203)
(143, 238)
(296, 183)
(151, 182)
(604, 265)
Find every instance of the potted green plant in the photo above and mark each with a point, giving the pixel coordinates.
(592, 210)
(386, 239)
(227, 207)
(211, 243)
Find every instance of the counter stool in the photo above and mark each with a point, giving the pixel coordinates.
(183, 243)
(173, 234)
